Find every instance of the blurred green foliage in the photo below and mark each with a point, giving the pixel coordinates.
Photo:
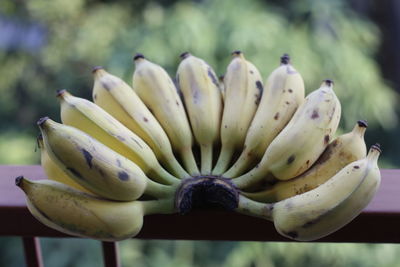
(325, 39)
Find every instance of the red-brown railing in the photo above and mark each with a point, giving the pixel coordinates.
(378, 223)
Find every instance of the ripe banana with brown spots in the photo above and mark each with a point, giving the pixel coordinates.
(203, 101)
(325, 209)
(340, 152)
(93, 120)
(302, 141)
(117, 98)
(73, 212)
(95, 166)
(283, 94)
(53, 171)
(157, 90)
(242, 92)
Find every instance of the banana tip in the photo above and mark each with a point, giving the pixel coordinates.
(236, 53)
(60, 92)
(184, 55)
(138, 56)
(377, 147)
(42, 120)
(19, 180)
(285, 59)
(362, 123)
(96, 68)
(328, 82)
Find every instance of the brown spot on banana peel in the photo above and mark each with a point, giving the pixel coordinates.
(88, 157)
(326, 139)
(123, 176)
(290, 90)
(212, 77)
(291, 159)
(260, 88)
(276, 117)
(145, 119)
(315, 114)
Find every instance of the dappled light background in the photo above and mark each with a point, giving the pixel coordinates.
(51, 45)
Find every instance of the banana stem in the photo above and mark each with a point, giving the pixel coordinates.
(223, 160)
(163, 176)
(175, 167)
(160, 206)
(254, 208)
(206, 158)
(160, 191)
(265, 196)
(257, 174)
(189, 161)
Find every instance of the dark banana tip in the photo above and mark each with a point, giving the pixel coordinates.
(329, 82)
(236, 53)
(19, 180)
(285, 59)
(42, 120)
(96, 68)
(184, 55)
(362, 123)
(377, 147)
(60, 92)
(137, 56)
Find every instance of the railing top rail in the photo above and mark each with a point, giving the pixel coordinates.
(379, 222)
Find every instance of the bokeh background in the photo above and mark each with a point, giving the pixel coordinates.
(50, 45)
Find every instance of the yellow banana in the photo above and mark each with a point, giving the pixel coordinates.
(53, 172)
(95, 166)
(325, 209)
(76, 213)
(202, 97)
(343, 150)
(157, 90)
(284, 92)
(302, 141)
(118, 99)
(93, 120)
(243, 89)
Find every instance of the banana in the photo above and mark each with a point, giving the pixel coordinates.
(202, 98)
(79, 214)
(283, 93)
(118, 99)
(302, 141)
(327, 208)
(95, 166)
(243, 89)
(53, 172)
(157, 90)
(93, 120)
(343, 150)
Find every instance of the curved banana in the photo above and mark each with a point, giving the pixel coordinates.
(53, 172)
(243, 89)
(93, 120)
(343, 150)
(302, 141)
(118, 99)
(157, 90)
(202, 97)
(327, 208)
(283, 93)
(95, 166)
(76, 213)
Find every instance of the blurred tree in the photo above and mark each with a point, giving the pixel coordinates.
(50, 45)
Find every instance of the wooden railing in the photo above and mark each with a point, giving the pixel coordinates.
(378, 223)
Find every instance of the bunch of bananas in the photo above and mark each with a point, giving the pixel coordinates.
(167, 146)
